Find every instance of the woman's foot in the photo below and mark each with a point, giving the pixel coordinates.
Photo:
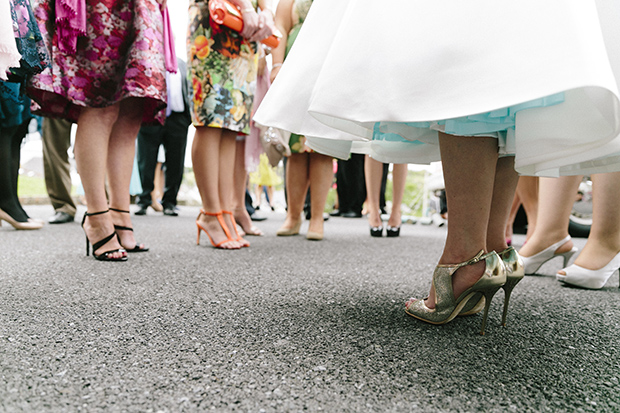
(315, 229)
(216, 233)
(395, 219)
(595, 255)
(128, 241)
(232, 228)
(245, 222)
(464, 278)
(374, 219)
(98, 227)
(537, 252)
(536, 245)
(291, 226)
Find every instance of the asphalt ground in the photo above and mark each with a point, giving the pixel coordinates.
(285, 325)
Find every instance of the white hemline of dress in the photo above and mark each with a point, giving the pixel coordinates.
(359, 64)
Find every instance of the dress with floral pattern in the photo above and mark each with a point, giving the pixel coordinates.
(301, 8)
(28, 40)
(26, 36)
(223, 68)
(121, 56)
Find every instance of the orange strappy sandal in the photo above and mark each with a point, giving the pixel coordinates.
(220, 219)
(243, 242)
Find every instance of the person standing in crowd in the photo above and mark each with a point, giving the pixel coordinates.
(56, 138)
(306, 170)
(600, 257)
(173, 136)
(14, 120)
(223, 68)
(350, 186)
(107, 75)
(517, 99)
(374, 171)
(22, 54)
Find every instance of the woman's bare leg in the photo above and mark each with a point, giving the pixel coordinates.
(506, 179)
(556, 198)
(241, 179)
(527, 190)
(373, 171)
(228, 147)
(91, 152)
(469, 168)
(121, 152)
(206, 164)
(321, 178)
(604, 241)
(297, 182)
(399, 179)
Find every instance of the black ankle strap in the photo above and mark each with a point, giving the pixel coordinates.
(119, 210)
(90, 214)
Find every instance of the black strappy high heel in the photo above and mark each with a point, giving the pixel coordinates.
(137, 248)
(104, 256)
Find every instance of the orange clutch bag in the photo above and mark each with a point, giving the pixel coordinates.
(225, 13)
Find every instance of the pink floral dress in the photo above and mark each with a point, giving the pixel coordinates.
(121, 56)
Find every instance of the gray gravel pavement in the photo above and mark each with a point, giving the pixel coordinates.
(285, 325)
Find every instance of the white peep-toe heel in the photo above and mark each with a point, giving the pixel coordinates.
(533, 263)
(591, 279)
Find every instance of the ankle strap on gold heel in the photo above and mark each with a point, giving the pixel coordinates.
(477, 258)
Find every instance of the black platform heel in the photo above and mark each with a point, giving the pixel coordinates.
(376, 231)
(392, 232)
(104, 256)
(137, 248)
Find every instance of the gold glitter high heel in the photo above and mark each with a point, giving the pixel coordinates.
(513, 264)
(447, 307)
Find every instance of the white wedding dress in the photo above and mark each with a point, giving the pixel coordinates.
(383, 76)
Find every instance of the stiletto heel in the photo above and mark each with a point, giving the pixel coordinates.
(513, 265)
(28, 225)
(488, 296)
(104, 256)
(533, 263)
(514, 273)
(220, 220)
(447, 307)
(240, 240)
(137, 247)
(590, 279)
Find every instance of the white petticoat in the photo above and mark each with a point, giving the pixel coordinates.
(361, 64)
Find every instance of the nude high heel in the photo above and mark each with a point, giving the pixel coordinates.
(285, 232)
(28, 225)
(590, 279)
(447, 307)
(533, 263)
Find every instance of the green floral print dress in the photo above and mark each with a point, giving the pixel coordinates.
(222, 69)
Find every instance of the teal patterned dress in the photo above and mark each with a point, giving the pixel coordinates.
(222, 69)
